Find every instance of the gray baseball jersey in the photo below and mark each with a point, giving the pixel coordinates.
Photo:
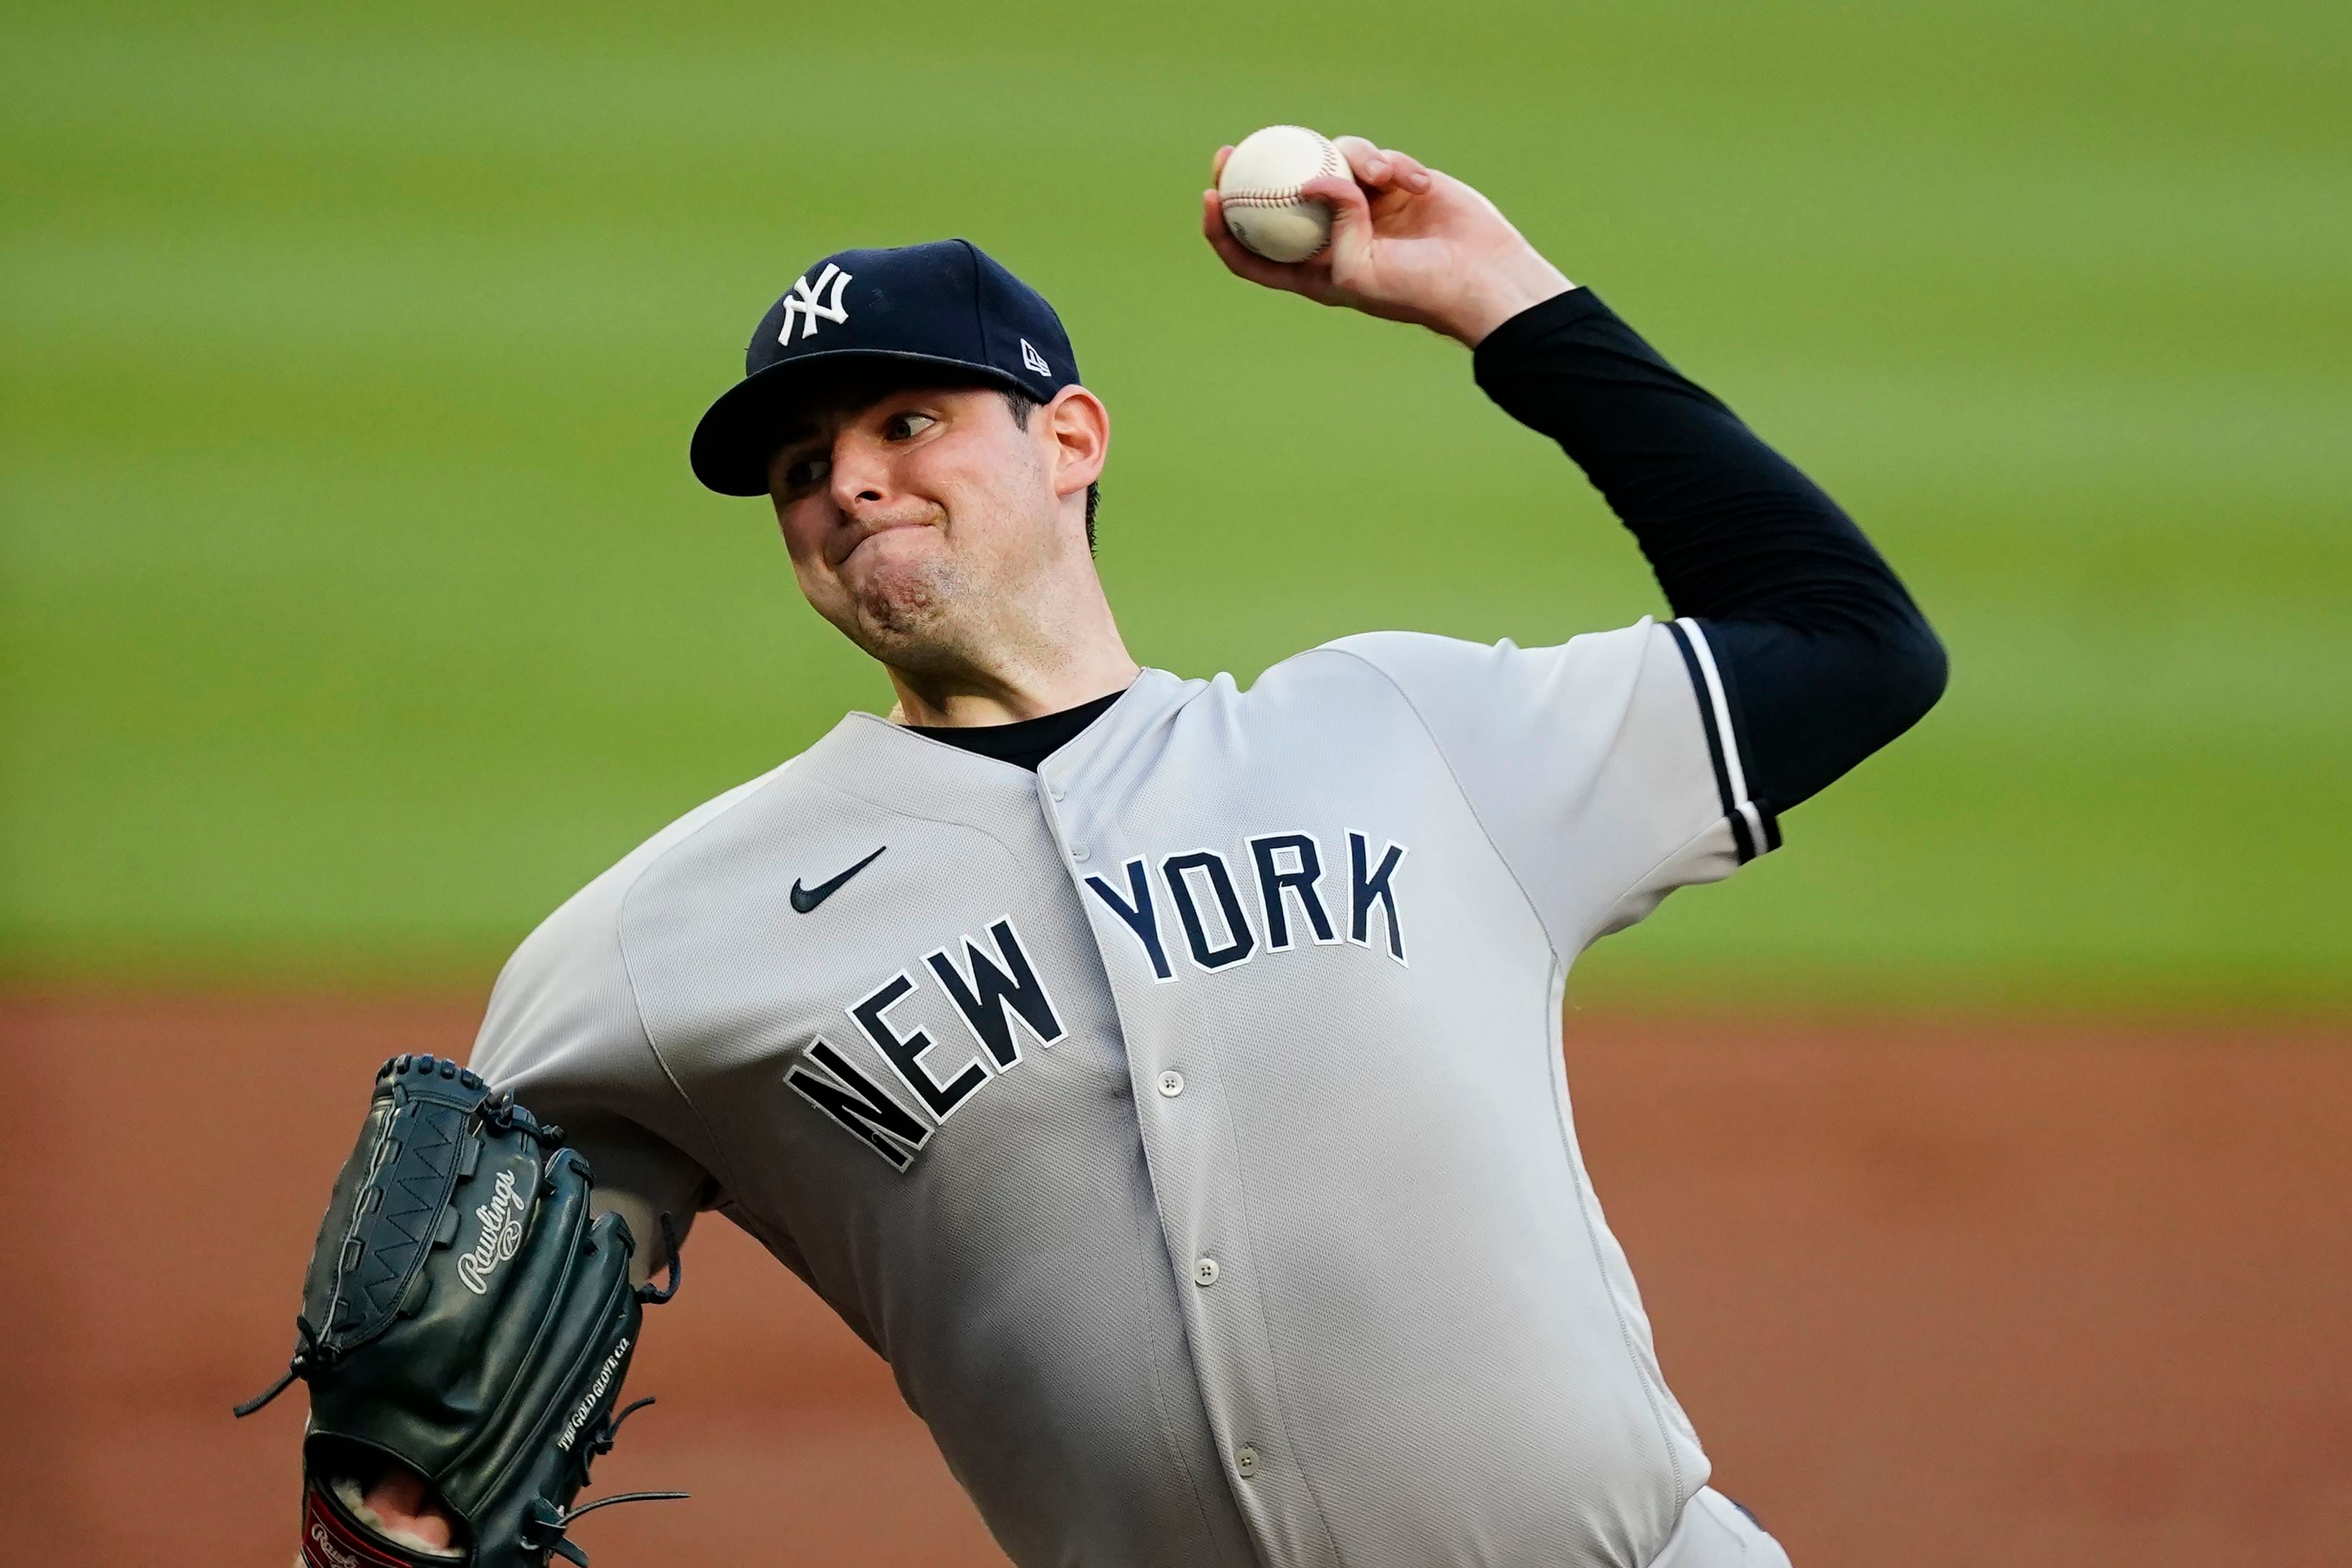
(1185, 1121)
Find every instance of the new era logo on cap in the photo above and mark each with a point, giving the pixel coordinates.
(945, 308)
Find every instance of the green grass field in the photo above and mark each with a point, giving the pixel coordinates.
(359, 606)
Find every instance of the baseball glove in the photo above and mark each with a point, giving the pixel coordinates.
(465, 1317)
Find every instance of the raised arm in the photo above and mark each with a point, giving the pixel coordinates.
(1822, 656)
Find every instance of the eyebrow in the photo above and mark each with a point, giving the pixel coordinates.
(802, 431)
(799, 435)
(803, 428)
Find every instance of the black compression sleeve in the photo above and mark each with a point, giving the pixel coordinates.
(1824, 657)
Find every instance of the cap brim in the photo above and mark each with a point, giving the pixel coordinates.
(739, 433)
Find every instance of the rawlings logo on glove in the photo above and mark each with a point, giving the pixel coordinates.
(502, 1220)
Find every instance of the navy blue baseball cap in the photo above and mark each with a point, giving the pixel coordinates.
(947, 303)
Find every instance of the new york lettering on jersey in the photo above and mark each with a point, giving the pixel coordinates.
(999, 999)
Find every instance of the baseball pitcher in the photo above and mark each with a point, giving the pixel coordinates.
(1164, 1077)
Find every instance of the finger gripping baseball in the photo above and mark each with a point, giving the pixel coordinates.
(466, 1316)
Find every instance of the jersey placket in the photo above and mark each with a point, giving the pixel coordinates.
(1190, 1157)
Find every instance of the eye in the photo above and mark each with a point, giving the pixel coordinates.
(906, 425)
(804, 474)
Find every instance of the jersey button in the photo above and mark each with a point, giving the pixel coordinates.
(1171, 1083)
(1057, 791)
(1078, 852)
(1245, 1459)
(1205, 1272)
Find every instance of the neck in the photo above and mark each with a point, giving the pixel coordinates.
(1018, 682)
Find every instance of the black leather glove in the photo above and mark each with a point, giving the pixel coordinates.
(464, 1317)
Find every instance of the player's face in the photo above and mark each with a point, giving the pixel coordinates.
(917, 518)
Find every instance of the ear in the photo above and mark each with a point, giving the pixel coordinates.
(1079, 427)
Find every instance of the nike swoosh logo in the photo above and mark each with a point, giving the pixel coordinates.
(806, 899)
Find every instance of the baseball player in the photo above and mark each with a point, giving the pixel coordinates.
(1164, 1077)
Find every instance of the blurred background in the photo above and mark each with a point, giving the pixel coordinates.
(1983, 1156)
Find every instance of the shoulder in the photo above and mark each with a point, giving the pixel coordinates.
(1423, 652)
(575, 961)
(1422, 669)
(596, 910)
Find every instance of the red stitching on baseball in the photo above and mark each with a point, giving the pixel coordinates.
(1334, 165)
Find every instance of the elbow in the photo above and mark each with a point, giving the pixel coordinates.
(1914, 673)
(1815, 704)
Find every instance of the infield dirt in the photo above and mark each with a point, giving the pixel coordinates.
(1933, 1293)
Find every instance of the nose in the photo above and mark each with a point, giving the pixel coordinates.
(860, 476)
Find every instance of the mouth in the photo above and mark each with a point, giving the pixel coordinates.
(867, 537)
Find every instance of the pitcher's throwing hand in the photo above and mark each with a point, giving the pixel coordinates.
(1407, 242)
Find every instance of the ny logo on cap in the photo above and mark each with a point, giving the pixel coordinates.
(802, 301)
(1034, 359)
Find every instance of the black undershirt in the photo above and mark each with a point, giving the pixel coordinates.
(1824, 657)
(1024, 742)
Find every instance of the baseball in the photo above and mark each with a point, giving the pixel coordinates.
(1259, 189)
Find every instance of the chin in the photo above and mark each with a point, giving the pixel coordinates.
(900, 607)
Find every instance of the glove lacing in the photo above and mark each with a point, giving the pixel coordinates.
(545, 1529)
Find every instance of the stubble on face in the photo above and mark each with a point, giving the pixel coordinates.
(902, 607)
(962, 591)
